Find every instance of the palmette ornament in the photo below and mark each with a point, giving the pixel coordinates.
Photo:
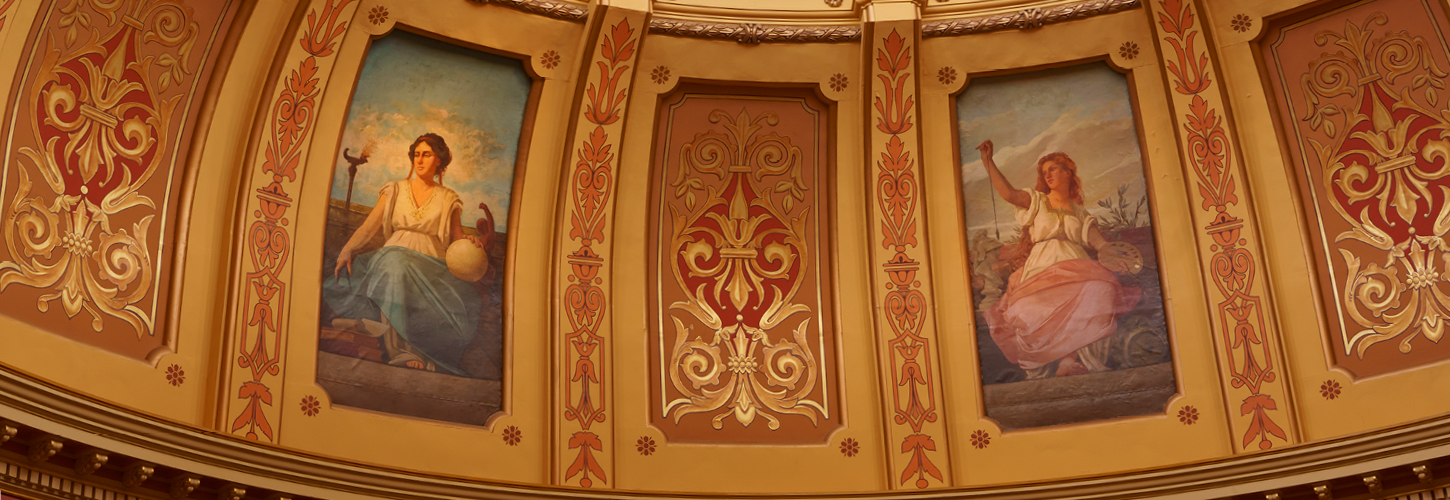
(104, 127)
(741, 257)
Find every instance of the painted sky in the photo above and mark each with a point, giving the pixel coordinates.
(1084, 111)
(411, 85)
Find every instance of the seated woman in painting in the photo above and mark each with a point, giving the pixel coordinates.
(1061, 307)
(403, 293)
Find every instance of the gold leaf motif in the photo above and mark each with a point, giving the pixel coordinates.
(739, 247)
(113, 124)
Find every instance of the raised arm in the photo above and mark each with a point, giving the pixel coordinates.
(1018, 197)
(362, 236)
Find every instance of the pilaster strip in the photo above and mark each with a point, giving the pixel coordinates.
(259, 321)
(1249, 354)
(584, 442)
(907, 342)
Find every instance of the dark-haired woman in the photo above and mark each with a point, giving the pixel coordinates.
(403, 293)
(1061, 307)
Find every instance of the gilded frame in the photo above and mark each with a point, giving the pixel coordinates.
(524, 403)
(1012, 457)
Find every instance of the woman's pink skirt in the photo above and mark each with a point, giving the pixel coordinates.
(1057, 311)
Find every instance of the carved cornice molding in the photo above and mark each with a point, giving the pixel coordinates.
(1026, 18)
(750, 33)
(550, 8)
(43, 412)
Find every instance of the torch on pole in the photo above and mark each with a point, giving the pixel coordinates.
(352, 164)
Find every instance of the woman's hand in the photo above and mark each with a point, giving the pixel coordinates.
(477, 240)
(986, 148)
(344, 259)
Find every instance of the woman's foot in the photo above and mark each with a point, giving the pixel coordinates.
(1070, 366)
(410, 360)
(352, 325)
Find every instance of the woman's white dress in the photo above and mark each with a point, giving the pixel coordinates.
(1061, 300)
(406, 284)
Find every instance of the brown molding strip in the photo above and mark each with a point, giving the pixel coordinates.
(549, 8)
(751, 33)
(51, 411)
(1026, 18)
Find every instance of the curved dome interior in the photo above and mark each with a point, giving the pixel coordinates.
(820, 248)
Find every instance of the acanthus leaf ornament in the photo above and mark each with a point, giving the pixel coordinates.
(908, 349)
(1376, 100)
(262, 330)
(104, 130)
(589, 192)
(741, 247)
(1242, 325)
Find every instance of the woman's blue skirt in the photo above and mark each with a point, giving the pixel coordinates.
(429, 308)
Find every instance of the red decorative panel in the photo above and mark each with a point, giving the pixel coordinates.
(744, 337)
(1361, 98)
(908, 347)
(100, 130)
(1249, 360)
(261, 331)
(589, 204)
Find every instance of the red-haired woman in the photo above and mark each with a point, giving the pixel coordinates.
(1061, 306)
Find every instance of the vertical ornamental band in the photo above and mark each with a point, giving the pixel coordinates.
(907, 342)
(584, 437)
(1250, 362)
(259, 331)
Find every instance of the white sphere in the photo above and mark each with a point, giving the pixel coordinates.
(466, 260)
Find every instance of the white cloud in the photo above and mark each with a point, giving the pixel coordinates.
(1104, 147)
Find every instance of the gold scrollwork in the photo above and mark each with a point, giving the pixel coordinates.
(105, 132)
(736, 251)
(1379, 171)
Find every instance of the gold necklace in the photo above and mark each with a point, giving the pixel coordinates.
(418, 208)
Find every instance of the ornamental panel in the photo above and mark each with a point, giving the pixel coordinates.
(1361, 93)
(743, 324)
(101, 125)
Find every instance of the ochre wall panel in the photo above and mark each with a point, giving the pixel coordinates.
(742, 308)
(1194, 418)
(259, 333)
(1251, 359)
(849, 457)
(1334, 399)
(837, 142)
(908, 345)
(584, 444)
(1359, 92)
(103, 117)
(512, 444)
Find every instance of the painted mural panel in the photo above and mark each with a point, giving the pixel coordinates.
(1070, 321)
(744, 332)
(103, 110)
(412, 318)
(1361, 97)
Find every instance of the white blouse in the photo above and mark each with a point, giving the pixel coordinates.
(425, 227)
(1058, 235)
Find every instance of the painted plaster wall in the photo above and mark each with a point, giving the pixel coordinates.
(578, 367)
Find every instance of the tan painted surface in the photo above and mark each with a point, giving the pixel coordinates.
(212, 320)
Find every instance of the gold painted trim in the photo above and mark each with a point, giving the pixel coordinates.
(548, 8)
(751, 33)
(234, 459)
(1025, 19)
